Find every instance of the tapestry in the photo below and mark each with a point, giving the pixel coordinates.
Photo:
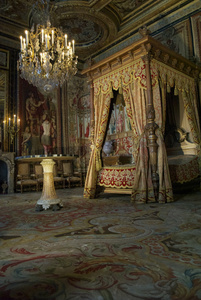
(78, 121)
(38, 114)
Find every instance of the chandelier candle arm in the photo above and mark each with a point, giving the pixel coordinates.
(27, 38)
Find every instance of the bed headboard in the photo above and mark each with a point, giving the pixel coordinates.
(177, 143)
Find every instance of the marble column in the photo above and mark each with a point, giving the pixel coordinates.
(48, 198)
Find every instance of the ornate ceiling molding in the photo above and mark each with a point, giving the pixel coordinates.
(96, 25)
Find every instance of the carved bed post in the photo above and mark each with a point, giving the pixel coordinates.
(199, 87)
(151, 126)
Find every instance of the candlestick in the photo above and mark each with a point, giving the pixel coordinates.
(52, 37)
(13, 128)
(21, 43)
(73, 43)
(65, 40)
(24, 43)
(27, 38)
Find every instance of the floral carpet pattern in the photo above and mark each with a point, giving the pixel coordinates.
(102, 249)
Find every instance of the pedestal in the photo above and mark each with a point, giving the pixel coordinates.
(48, 198)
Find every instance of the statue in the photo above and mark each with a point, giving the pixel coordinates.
(46, 140)
(26, 144)
(108, 147)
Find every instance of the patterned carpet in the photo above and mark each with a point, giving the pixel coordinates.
(103, 249)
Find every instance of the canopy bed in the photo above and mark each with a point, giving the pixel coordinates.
(160, 91)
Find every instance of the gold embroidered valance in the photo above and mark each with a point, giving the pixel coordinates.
(136, 71)
(172, 77)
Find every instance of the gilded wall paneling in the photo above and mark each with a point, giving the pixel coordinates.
(4, 59)
(196, 29)
(178, 38)
(4, 77)
(64, 118)
(4, 97)
(59, 121)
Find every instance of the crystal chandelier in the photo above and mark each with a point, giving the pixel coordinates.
(46, 58)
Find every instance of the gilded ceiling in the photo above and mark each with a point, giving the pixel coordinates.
(94, 24)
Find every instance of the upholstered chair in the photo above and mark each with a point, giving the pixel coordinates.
(24, 178)
(72, 177)
(38, 172)
(58, 180)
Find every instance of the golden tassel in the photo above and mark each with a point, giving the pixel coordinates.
(168, 88)
(176, 91)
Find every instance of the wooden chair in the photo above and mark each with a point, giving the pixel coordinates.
(58, 180)
(24, 178)
(39, 176)
(38, 172)
(73, 178)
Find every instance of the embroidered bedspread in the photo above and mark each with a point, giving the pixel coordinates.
(183, 168)
(117, 176)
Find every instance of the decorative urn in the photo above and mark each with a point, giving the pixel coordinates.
(108, 147)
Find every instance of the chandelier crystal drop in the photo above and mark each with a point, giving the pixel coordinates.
(46, 58)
